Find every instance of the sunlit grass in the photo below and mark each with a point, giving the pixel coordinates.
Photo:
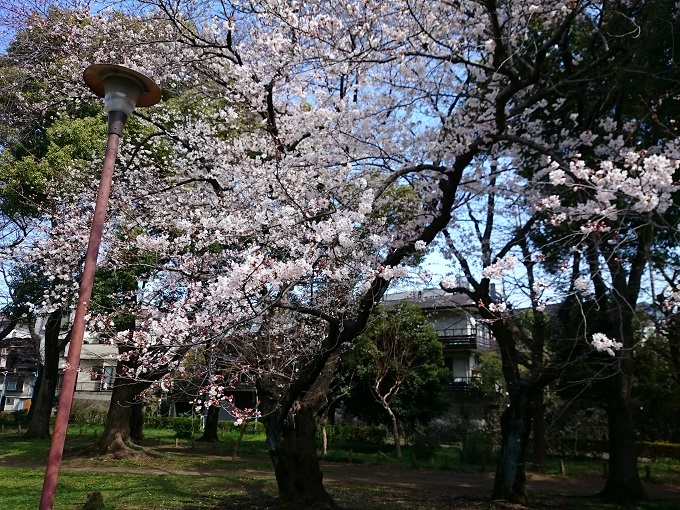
(21, 490)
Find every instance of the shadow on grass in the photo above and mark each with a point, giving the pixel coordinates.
(165, 491)
(242, 494)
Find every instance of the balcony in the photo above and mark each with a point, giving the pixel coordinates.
(465, 338)
(462, 386)
(93, 386)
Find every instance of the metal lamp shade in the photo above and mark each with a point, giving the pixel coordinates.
(122, 89)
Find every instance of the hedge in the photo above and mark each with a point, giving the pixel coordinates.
(13, 418)
(645, 449)
(356, 434)
(658, 450)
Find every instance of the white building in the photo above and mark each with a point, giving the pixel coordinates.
(19, 355)
(453, 317)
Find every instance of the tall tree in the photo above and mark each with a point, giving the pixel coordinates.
(615, 186)
(398, 349)
(522, 334)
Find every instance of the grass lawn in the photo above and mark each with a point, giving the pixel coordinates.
(21, 490)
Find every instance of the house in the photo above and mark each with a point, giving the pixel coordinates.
(18, 369)
(19, 366)
(97, 370)
(463, 336)
(17, 383)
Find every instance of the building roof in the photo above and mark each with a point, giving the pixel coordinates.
(429, 299)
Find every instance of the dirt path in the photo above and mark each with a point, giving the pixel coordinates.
(437, 490)
(536, 483)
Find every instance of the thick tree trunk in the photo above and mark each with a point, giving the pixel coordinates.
(117, 433)
(45, 390)
(210, 428)
(510, 481)
(292, 447)
(137, 422)
(289, 420)
(43, 402)
(539, 452)
(623, 480)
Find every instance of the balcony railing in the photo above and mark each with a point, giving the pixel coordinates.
(464, 338)
(463, 386)
(93, 386)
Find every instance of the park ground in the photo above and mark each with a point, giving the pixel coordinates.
(193, 476)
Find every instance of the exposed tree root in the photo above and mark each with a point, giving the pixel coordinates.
(115, 448)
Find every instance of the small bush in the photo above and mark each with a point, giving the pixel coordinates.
(252, 427)
(478, 447)
(185, 427)
(580, 447)
(352, 433)
(6, 419)
(88, 412)
(154, 421)
(332, 435)
(20, 417)
(425, 448)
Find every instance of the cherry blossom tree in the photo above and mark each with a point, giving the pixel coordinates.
(611, 185)
(497, 248)
(37, 149)
(602, 178)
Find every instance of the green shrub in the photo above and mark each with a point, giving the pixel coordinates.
(332, 435)
(154, 421)
(592, 448)
(6, 419)
(658, 450)
(252, 427)
(478, 447)
(580, 447)
(88, 412)
(185, 427)
(20, 417)
(425, 447)
(356, 434)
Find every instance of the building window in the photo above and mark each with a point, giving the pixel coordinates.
(9, 401)
(104, 376)
(12, 385)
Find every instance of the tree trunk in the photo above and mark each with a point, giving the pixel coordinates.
(324, 441)
(117, 434)
(43, 401)
(395, 430)
(210, 428)
(288, 417)
(239, 440)
(291, 443)
(623, 480)
(539, 450)
(45, 390)
(137, 422)
(323, 423)
(510, 481)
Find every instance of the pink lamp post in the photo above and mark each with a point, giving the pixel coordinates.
(122, 89)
